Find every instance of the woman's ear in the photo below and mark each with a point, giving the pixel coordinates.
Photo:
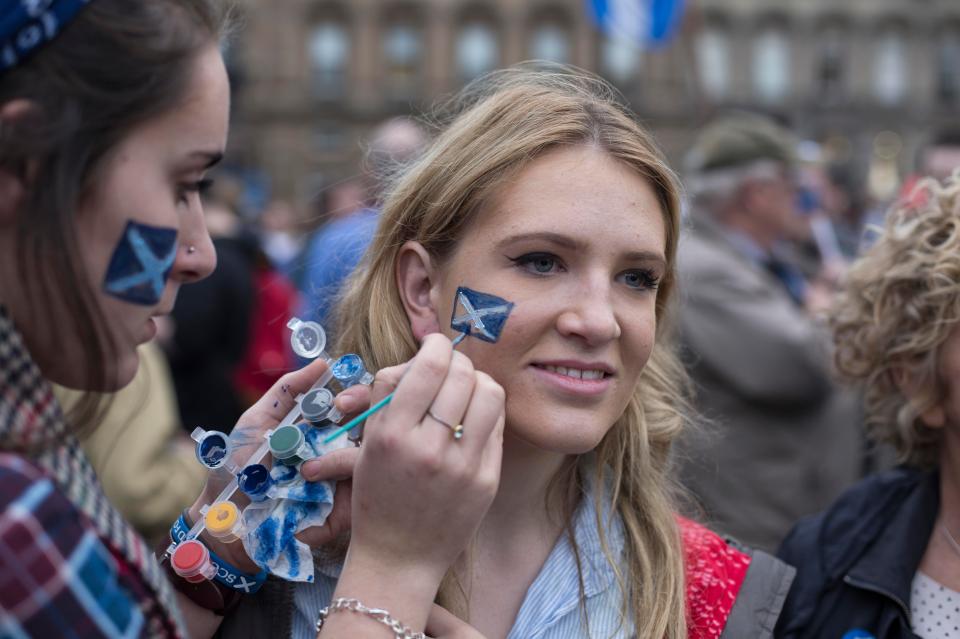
(416, 281)
(933, 416)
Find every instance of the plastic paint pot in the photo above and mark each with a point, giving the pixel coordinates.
(316, 405)
(349, 370)
(222, 520)
(308, 338)
(213, 447)
(287, 445)
(191, 560)
(255, 481)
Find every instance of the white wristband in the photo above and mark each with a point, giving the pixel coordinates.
(400, 631)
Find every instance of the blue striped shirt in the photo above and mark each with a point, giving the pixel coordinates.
(552, 607)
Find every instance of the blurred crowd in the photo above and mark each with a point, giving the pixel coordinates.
(772, 223)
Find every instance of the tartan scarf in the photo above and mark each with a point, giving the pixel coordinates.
(32, 425)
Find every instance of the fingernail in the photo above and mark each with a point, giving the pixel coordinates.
(309, 470)
(346, 403)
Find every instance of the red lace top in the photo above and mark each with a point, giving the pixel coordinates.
(715, 572)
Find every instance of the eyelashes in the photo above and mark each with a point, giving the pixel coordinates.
(199, 187)
(545, 264)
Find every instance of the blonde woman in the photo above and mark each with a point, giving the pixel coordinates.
(553, 515)
(884, 560)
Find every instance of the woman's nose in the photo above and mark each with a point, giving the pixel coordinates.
(590, 316)
(196, 257)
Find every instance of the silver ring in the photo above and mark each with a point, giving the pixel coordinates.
(457, 430)
(191, 249)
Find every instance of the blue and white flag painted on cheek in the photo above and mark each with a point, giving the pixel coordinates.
(646, 23)
(480, 315)
(141, 264)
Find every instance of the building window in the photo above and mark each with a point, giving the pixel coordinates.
(329, 50)
(831, 62)
(712, 50)
(549, 40)
(477, 49)
(890, 67)
(403, 50)
(771, 64)
(948, 66)
(620, 57)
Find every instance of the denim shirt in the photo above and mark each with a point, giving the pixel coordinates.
(552, 607)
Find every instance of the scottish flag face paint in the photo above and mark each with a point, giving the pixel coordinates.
(479, 315)
(141, 264)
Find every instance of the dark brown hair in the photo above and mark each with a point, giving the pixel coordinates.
(117, 64)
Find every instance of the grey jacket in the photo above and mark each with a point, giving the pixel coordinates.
(780, 440)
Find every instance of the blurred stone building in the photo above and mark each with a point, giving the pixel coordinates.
(867, 78)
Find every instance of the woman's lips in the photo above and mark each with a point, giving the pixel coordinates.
(586, 381)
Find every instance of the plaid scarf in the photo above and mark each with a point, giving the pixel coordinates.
(32, 425)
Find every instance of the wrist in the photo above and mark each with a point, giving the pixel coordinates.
(407, 589)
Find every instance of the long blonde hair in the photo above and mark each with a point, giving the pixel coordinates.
(496, 127)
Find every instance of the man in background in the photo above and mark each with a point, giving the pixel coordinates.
(780, 441)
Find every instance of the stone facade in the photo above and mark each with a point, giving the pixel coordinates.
(315, 75)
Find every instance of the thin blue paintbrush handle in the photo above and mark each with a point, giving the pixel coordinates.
(356, 421)
(359, 419)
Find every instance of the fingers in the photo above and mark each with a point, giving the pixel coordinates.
(417, 389)
(282, 396)
(484, 413)
(386, 381)
(353, 400)
(450, 404)
(335, 465)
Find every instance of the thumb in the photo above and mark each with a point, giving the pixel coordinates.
(337, 464)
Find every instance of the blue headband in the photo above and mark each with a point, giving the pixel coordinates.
(27, 25)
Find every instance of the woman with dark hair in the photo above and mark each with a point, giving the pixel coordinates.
(111, 113)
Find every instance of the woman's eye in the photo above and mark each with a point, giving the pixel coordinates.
(641, 279)
(539, 263)
(189, 188)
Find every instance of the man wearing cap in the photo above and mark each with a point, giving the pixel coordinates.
(779, 441)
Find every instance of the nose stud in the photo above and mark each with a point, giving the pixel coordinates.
(191, 249)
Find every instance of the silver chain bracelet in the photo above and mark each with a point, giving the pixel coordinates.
(400, 631)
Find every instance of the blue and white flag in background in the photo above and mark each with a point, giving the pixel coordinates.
(647, 23)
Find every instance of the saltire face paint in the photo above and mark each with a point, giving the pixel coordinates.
(141, 264)
(479, 315)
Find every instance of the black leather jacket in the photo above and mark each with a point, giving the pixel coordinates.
(856, 561)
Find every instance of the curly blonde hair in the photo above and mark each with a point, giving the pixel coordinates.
(900, 304)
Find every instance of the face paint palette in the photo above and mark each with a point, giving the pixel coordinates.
(282, 502)
(141, 263)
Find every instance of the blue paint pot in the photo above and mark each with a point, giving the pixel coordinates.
(349, 370)
(213, 448)
(255, 481)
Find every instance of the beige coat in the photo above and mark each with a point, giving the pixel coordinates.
(779, 441)
(141, 455)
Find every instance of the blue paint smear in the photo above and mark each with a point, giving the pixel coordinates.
(283, 474)
(266, 542)
(479, 315)
(296, 512)
(141, 263)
